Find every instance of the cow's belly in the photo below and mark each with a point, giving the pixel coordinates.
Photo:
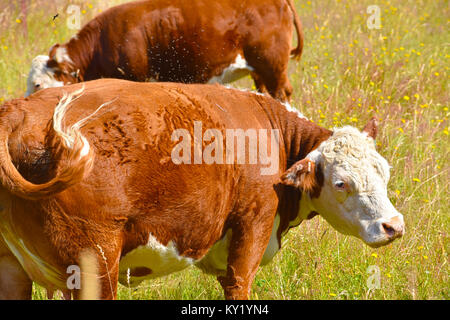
(151, 261)
(155, 260)
(238, 69)
(215, 261)
(36, 268)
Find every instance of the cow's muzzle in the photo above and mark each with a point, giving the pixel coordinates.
(394, 228)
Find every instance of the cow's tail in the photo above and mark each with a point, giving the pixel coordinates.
(69, 148)
(296, 53)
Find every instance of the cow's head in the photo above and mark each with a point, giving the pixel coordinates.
(54, 70)
(41, 76)
(345, 181)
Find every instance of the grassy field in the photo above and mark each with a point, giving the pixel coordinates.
(348, 74)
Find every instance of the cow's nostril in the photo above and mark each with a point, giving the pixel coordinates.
(393, 228)
(390, 231)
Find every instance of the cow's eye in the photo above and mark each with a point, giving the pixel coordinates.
(340, 185)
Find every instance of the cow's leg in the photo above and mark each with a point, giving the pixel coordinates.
(109, 277)
(282, 90)
(259, 83)
(270, 64)
(14, 281)
(276, 82)
(248, 244)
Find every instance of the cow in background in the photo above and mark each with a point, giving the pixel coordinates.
(196, 41)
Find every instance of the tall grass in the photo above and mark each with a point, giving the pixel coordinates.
(348, 74)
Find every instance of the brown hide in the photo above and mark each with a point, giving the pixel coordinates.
(134, 188)
(185, 41)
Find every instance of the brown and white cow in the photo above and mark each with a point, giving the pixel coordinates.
(196, 41)
(107, 176)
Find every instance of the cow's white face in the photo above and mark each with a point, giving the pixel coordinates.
(41, 76)
(345, 180)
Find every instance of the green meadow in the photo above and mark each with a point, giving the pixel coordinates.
(348, 73)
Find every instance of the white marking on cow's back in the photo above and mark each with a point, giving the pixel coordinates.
(238, 69)
(289, 108)
(287, 105)
(161, 260)
(246, 90)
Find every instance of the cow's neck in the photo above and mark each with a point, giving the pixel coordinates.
(300, 136)
(81, 48)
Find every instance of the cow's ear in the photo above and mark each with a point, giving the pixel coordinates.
(52, 50)
(52, 64)
(371, 128)
(301, 175)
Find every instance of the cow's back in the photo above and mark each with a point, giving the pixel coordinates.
(134, 175)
